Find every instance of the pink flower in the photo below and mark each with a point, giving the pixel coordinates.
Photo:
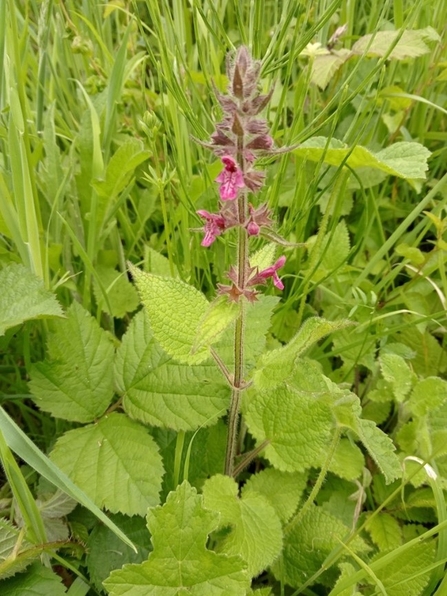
(270, 272)
(230, 179)
(214, 226)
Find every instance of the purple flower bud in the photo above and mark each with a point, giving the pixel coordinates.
(253, 229)
(230, 179)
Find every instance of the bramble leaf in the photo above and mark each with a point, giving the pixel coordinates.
(410, 44)
(122, 297)
(36, 581)
(176, 311)
(159, 391)
(255, 534)
(283, 490)
(16, 553)
(180, 563)
(24, 297)
(76, 381)
(115, 461)
(404, 159)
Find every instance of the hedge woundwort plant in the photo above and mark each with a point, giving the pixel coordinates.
(237, 140)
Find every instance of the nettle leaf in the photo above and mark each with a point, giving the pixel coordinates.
(37, 581)
(115, 461)
(76, 382)
(24, 297)
(221, 313)
(277, 365)
(404, 159)
(397, 372)
(428, 395)
(180, 563)
(176, 311)
(257, 324)
(122, 297)
(256, 533)
(283, 490)
(159, 391)
(106, 552)
(307, 544)
(384, 530)
(410, 44)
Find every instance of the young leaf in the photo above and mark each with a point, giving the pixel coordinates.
(256, 533)
(348, 461)
(335, 248)
(396, 372)
(220, 314)
(428, 395)
(180, 562)
(24, 297)
(176, 311)
(283, 490)
(162, 392)
(76, 383)
(122, 297)
(16, 553)
(115, 461)
(37, 581)
(385, 531)
(403, 159)
(276, 366)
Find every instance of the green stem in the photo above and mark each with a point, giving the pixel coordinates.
(179, 444)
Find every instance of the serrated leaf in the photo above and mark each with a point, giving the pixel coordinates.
(37, 581)
(122, 297)
(221, 313)
(428, 395)
(277, 365)
(384, 530)
(404, 159)
(410, 44)
(307, 544)
(408, 573)
(381, 449)
(324, 66)
(180, 563)
(16, 553)
(264, 257)
(159, 391)
(158, 264)
(106, 552)
(297, 425)
(255, 534)
(396, 372)
(175, 310)
(283, 490)
(24, 297)
(76, 382)
(335, 248)
(115, 461)
(257, 324)
(348, 461)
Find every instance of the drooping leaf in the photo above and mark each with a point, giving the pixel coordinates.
(283, 490)
(175, 310)
(159, 391)
(277, 365)
(410, 43)
(122, 298)
(105, 552)
(24, 297)
(76, 382)
(36, 581)
(180, 563)
(403, 159)
(308, 543)
(221, 313)
(115, 461)
(255, 534)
